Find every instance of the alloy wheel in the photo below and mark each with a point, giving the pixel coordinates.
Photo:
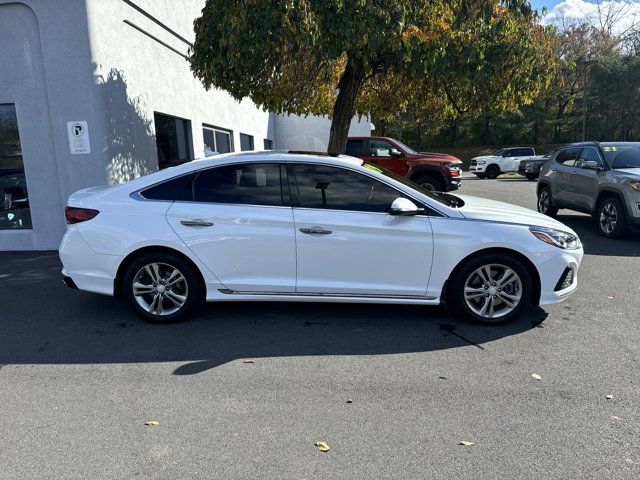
(160, 289)
(608, 218)
(544, 201)
(493, 291)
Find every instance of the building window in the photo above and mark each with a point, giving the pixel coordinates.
(246, 142)
(268, 144)
(217, 140)
(173, 140)
(14, 200)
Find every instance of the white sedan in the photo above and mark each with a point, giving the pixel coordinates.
(272, 226)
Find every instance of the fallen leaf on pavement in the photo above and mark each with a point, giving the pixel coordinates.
(152, 423)
(610, 297)
(615, 418)
(322, 446)
(349, 401)
(249, 362)
(609, 397)
(466, 443)
(535, 376)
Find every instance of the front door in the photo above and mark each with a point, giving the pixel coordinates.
(348, 244)
(238, 221)
(585, 181)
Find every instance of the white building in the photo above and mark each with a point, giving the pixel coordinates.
(99, 91)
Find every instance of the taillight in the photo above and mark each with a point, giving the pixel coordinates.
(77, 215)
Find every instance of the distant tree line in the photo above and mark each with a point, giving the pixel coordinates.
(593, 93)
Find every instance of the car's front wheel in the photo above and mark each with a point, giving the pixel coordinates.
(611, 218)
(161, 287)
(432, 184)
(493, 171)
(492, 289)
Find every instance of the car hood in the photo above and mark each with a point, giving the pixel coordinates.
(630, 171)
(485, 157)
(477, 208)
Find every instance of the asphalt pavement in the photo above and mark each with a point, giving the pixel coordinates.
(243, 390)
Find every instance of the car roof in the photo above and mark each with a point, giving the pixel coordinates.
(274, 156)
(372, 137)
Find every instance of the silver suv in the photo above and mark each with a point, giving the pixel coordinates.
(598, 178)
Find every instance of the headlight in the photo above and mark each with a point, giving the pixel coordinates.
(558, 238)
(635, 186)
(481, 162)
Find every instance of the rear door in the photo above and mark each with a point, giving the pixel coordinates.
(378, 151)
(564, 168)
(238, 221)
(346, 242)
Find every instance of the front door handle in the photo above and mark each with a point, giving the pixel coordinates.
(196, 223)
(315, 231)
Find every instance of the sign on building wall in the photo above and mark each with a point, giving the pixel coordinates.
(79, 142)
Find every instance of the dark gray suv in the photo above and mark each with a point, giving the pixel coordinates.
(598, 178)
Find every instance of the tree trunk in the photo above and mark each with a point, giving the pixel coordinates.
(343, 110)
(454, 130)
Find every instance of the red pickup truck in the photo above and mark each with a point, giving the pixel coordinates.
(434, 171)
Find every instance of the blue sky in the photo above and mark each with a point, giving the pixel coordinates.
(538, 4)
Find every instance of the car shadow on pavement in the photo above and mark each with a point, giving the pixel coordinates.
(44, 322)
(596, 244)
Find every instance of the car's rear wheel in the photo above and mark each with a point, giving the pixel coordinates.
(611, 218)
(492, 289)
(161, 287)
(493, 171)
(432, 184)
(545, 204)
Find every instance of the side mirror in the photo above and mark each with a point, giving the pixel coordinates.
(394, 152)
(592, 165)
(404, 206)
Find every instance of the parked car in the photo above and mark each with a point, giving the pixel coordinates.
(504, 160)
(434, 171)
(530, 166)
(268, 226)
(598, 178)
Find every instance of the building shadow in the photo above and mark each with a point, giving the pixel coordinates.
(129, 142)
(44, 322)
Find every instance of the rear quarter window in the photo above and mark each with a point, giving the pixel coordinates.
(168, 190)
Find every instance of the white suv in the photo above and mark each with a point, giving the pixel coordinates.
(503, 161)
(273, 226)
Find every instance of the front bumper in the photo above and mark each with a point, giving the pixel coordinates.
(529, 170)
(477, 168)
(452, 183)
(552, 272)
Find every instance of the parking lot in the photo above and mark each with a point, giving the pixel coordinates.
(244, 390)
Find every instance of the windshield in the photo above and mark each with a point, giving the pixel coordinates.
(405, 148)
(443, 198)
(499, 153)
(622, 155)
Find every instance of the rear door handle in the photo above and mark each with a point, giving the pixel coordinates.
(196, 223)
(315, 231)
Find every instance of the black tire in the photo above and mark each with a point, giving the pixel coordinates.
(481, 176)
(431, 183)
(611, 218)
(461, 279)
(190, 287)
(532, 178)
(545, 202)
(492, 171)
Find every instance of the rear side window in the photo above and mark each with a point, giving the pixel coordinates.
(169, 190)
(355, 147)
(569, 157)
(335, 188)
(247, 183)
(523, 152)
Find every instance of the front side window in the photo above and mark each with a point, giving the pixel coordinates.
(380, 148)
(321, 186)
(173, 140)
(569, 157)
(589, 154)
(216, 140)
(246, 142)
(14, 199)
(245, 183)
